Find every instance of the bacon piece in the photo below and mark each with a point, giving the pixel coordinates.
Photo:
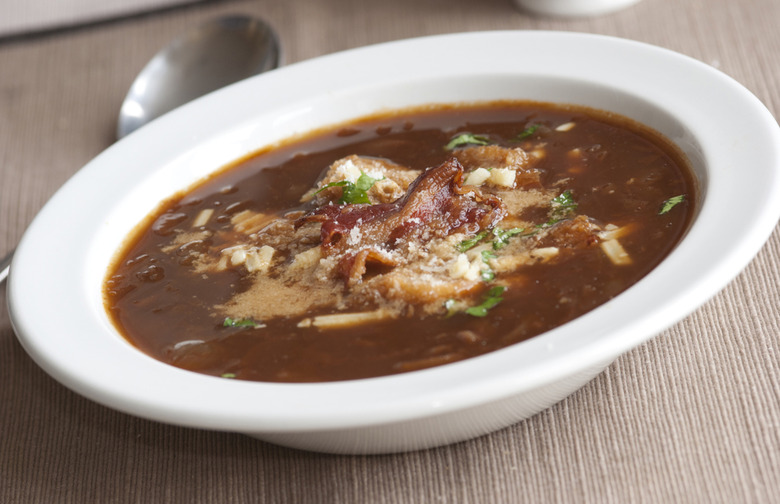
(436, 205)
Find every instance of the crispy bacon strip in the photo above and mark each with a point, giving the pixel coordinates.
(436, 205)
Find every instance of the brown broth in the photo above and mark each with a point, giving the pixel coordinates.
(625, 174)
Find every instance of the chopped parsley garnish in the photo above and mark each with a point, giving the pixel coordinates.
(564, 203)
(467, 139)
(471, 242)
(561, 206)
(530, 130)
(487, 255)
(228, 375)
(671, 203)
(230, 322)
(502, 236)
(491, 299)
(487, 274)
(354, 192)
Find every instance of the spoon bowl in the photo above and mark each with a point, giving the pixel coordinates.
(209, 57)
(212, 56)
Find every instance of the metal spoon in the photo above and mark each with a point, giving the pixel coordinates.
(209, 57)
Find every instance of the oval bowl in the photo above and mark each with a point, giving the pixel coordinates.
(55, 299)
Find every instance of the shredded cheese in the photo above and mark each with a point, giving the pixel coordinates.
(254, 259)
(260, 259)
(203, 217)
(544, 253)
(460, 267)
(566, 126)
(615, 251)
(249, 222)
(465, 268)
(238, 256)
(504, 177)
(307, 258)
(348, 170)
(612, 231)
(340, 320)
(477, 177)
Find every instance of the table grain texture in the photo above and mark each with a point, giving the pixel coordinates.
(691, 416)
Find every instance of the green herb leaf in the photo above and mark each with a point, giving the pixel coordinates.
(467, 139)
(357, 192)
(491, 299)
(353, 193)
(561, 206)
(471, 242)
(229, 322)
(334, 184)
(487, 274)
(228, 375)
(671, 203)
(530, 130)
(564, 202)
(487, 255)
(502, 236)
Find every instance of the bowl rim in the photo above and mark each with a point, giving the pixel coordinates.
(101, 366)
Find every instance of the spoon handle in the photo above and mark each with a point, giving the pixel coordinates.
(5, 265)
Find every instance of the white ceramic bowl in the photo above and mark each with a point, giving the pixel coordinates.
(55, 282)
